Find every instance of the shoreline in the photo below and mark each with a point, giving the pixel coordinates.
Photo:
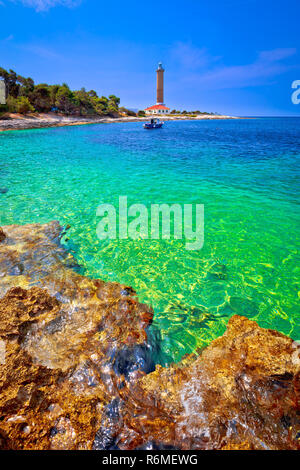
(18, 122)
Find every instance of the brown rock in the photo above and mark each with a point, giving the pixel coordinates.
(2, 235)
(59, 335)
(243, 392)
(33, 256)
(67, 344)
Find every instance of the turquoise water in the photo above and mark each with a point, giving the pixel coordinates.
(246, 174)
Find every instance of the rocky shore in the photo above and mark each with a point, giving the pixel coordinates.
(77, 370)
(19, 122)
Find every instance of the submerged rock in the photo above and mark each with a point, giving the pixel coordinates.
(77, 372)
(127, 360)
(243, 306)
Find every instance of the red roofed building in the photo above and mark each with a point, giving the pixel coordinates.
(159, 107)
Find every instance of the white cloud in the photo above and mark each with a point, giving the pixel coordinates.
(208, 71)
(189, 56)
(42, 51)
(44, 5)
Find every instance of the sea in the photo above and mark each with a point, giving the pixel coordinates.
(245, 173)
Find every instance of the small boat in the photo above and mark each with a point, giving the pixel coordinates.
(153, 124)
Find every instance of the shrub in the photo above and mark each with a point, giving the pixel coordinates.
(23, 105)
(11, 104)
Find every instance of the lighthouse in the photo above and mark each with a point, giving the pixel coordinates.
(159, 107)
(160, 84)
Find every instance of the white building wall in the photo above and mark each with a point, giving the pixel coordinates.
(157, 111)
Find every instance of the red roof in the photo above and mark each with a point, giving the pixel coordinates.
(157, 106)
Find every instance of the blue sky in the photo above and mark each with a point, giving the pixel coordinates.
(230, 56)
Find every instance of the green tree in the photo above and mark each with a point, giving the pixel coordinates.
(84, 102)
(44, 97)
(65, 101)
(11, 103)
(24, 106)
(10, 80)
(27, 85)
(113, 104)
(40, 98)
(114, 99)
(53, 89)
(92, 94)
(126, 111)
(100, 105)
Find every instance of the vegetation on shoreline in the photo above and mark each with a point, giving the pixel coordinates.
(191, 113)
(24, 96)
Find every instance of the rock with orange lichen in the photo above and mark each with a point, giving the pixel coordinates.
(74, 356)
(2, 235)
(243, 392)
(54, 382)
(33, 256)
(61, 339)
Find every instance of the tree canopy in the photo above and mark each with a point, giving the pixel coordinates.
(24, 96)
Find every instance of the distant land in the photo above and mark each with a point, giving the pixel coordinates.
(30, 105)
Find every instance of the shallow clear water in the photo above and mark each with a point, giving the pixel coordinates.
(246, 174)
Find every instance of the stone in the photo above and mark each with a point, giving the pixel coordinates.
(54, 382)
(58, 329)
(77, 369)
(242, 392)
(244, 307)
(2, 235)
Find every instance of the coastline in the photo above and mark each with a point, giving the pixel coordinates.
(19, 122)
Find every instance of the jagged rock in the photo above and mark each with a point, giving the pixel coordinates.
(75, 363)
(57, 331)
(2, 235)
(33, 256)
(243, 392)
(55, 377)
